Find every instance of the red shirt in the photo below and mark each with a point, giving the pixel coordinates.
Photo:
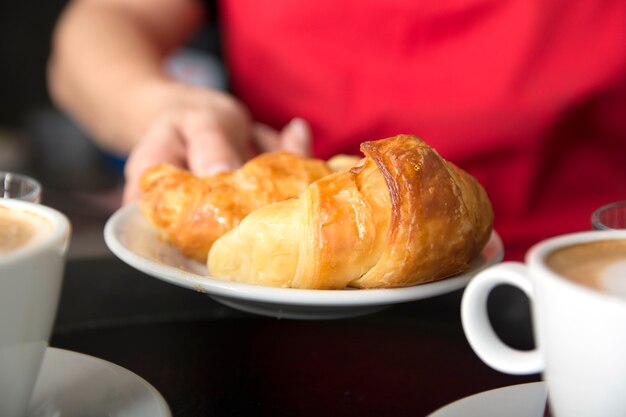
(529, 96)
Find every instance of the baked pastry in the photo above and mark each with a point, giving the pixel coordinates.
(190, 212)
(343, 162)
(403, 216)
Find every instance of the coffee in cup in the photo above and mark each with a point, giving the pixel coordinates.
(19, 228)
(33, 243)
(576, 287)
(600, 265)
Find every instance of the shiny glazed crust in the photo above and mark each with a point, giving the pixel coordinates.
(192, 212)
(403, 216)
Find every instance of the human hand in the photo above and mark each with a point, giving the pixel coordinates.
(206, 132)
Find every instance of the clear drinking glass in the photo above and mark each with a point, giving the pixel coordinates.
(19, 187)
(609, 217)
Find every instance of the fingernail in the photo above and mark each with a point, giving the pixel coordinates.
(216, 169)
(300, 129)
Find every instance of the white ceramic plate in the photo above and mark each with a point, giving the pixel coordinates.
(523, 400)
(78, 385)
(131, 238)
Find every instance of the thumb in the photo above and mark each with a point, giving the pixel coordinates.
(161, 144)
(296, 137)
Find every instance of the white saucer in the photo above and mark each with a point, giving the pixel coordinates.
(72, 384)
(135, 241)
(523, 400)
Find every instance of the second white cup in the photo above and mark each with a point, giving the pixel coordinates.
(577, 287)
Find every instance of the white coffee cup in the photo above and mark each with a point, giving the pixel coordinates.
(30, 282)
(580, 331)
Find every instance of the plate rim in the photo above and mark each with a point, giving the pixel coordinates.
(288, 296)
(451, 407)
(52, 352)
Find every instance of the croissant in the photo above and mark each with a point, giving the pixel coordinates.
(401, 217)
(191, 212)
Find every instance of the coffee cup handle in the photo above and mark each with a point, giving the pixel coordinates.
(478, 330)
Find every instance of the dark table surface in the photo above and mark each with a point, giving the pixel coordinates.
(209, 360)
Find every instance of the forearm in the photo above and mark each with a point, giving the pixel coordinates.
(106, 67)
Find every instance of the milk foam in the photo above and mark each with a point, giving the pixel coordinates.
(20, 229)
(613, 278)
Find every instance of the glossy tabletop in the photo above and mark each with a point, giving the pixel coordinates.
(207, 359)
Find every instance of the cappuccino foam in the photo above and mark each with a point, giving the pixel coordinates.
(600, 264)
(19, 228)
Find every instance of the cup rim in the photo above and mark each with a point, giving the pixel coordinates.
(36, 185)
(537, 254)
(595, 216)
(61, 230)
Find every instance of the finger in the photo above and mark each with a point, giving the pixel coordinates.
(265, 138)
(210, 151)
(296, 137)
(132, 192)
(161, 144)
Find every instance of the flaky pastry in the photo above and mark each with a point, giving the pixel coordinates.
(191, 212)
(402, 216)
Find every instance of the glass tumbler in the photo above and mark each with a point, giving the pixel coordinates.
(19, 187)
(610, 217)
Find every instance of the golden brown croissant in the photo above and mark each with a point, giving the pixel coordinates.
(404, 216)
(191, 212)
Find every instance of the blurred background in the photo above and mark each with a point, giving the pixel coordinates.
(25, 34)
(39, 140)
